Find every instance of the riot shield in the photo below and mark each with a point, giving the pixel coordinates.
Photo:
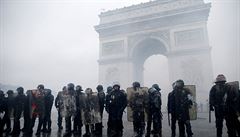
(193, 109)
(90, 109)
(130, 95)
(37, 105)
(68, 107)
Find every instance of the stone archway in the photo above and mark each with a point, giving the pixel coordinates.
(176, 29)
(141, 51)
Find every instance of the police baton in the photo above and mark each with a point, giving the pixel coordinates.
(210, 119)
(169, 120)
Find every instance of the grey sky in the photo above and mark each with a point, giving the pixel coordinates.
(54, 42)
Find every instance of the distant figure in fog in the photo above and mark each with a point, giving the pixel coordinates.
(18, 110)
(47, 122)
(58, 104)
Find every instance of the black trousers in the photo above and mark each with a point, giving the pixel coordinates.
(17, 116)
(47, 122)
(138, 122)
(68, 124)
(40, 122)
(59, 119)
(182, 125)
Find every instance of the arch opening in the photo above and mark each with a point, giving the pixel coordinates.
(142, 52)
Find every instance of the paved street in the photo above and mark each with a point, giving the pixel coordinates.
(200, 127)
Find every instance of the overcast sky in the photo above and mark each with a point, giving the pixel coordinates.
(54, 42)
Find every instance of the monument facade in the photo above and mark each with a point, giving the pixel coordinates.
(176, 29)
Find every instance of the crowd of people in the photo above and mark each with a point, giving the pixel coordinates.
(86, 109)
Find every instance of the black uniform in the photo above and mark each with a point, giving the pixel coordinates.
(179, 102)
(58, 103)
(19, 104)
(116, 106)
(101, 98)
(171, 108)
(224, 101)
(48, 100)
(26, 113)
(154, 113)
(77, 125)
(9, 111)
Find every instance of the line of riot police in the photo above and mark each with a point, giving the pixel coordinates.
(143, 106)
(34, 104)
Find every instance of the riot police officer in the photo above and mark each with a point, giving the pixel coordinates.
(138, 103)
(9, 111)
(77, 125)
(171, 109)
(108, 97)
(38, 105)
(154, 111)
(49, 98)
(26, 113)
(223, 100)
(116, 105)
(183, 101)
(101, 98)
(18, 110)
(70, 108)
(58, 103)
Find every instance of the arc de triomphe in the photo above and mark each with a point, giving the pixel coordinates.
(176, 29)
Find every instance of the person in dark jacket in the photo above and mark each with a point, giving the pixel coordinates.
(58, 103)
(18, 110)
(171, 109)
(47, 122)
(9, 111)
(154, 111)
(26, 113)
(108, 97)
(182, 101)
(223, 100)
(101, 98)
(116, 106)
(77, 122)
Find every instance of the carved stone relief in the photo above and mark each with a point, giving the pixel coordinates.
(112, 48)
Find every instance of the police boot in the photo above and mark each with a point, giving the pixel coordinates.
(219, 132)
(160, 133)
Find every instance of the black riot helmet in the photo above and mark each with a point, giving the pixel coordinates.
(70, 86)
(79, 88)
(99, 88)
(109, 89)
(116, 86)
(156, 86)
(179, 83)
(10, 92)
(40, 87)
(20, 90)
(136, 85)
